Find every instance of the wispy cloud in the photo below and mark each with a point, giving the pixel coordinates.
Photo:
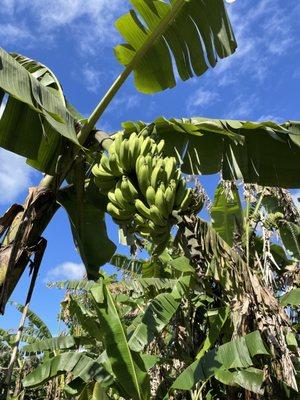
(66, 271)
(15, 176)
(243, 106)
(90, 23)
(265, 31)
(14, 33)
(125, 102)
(201, 99)
(92, 78)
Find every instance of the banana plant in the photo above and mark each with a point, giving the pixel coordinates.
(39, 124)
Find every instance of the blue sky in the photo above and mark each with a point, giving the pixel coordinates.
(75, 39)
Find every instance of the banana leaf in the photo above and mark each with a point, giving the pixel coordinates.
(53, 344)
(236, 354)
(44, 331)
(157, 315)
(127, 365)
(291, 298)
(195, 33)
(89, 231)
(226, 213)
(265, 153)
(78, 364)
(35, 118)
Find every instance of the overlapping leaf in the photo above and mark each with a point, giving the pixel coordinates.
(80, 365)
(127, 365)
(265, 153)
(236, 354)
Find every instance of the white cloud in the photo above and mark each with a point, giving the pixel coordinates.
(90, 23)
(67, 270)
(92, 78)
(14, 33)
(243, 106)
(15, 176)
(124, 102)
(201, 99)
(257, 48)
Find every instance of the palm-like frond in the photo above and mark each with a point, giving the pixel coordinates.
(194, 32)
(43, 330)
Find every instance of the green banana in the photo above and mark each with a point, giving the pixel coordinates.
(112, 198)
(170, 167)
(142, 209)
(126, 188)
(150, 195)
(118, 141)
(139, 162)
(126, 157)
(156, 175)
(160, 202)
(160, 146)
(114, 165)
(115, 212)
(153, 150)
(122, 201)
(146, 146)
(104, 162)
(143, 178)
(101, 175)
(170, 197)
(157, 217)
(135, 151)
(139, 220)
(133, 191)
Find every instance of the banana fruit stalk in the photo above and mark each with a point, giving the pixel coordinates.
(143, 186)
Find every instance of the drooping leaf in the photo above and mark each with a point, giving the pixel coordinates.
(89, 232)
(86, 319)
(157, 315)
(196, 33)
(226, 213)
(35, 117)
(53, 344)
(182, 264)
(80, 365)
(216, 323)
(234, 354)
(72, 285)
(127, 366)
(290, 236)
(263, 152)
(158, 284)
(43, 330)
(126, 264)
(249, 378)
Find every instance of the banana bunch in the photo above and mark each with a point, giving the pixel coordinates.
(143, 186)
